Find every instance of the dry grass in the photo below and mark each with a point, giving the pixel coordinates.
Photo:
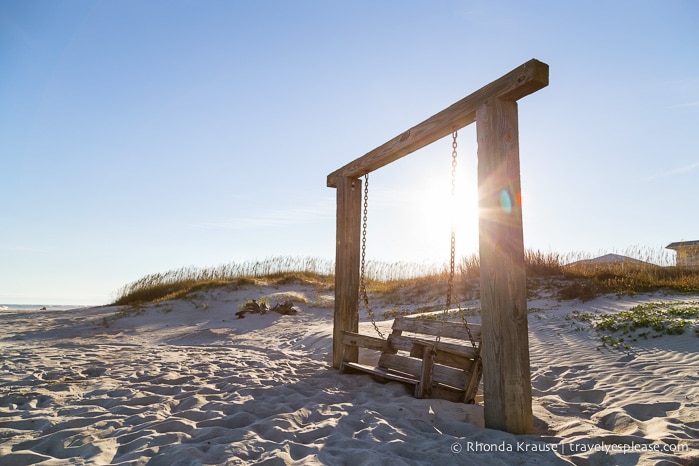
(422, 281)
(184, 281)
(589, 281)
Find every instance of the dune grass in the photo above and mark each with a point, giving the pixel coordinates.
(422, 280)
(590, 281)
(187, 280)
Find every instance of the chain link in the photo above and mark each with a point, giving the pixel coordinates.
(451, 296)
(452, 254)
(362, 282)
(454, 154)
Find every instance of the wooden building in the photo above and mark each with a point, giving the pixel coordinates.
(687, 253)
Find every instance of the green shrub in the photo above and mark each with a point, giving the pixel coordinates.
(663, 318)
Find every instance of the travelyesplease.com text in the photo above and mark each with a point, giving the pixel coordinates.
(571, 448)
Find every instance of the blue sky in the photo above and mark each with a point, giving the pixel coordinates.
(137, 137)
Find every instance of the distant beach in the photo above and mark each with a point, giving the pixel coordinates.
(39, 307)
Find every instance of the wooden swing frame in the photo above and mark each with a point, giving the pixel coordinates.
(505, 341)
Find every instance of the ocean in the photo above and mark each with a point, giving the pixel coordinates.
(37, 307)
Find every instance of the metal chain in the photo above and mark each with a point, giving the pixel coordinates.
(452, 255)
(462, 312)
(362, 284)
(452, 259)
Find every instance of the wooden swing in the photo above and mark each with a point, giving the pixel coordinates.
(449, 370)
(507, 390)
(414, 352)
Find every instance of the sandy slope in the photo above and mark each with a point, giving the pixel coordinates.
(186, 382)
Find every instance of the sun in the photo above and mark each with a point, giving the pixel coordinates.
(439, 211)
(413, 209)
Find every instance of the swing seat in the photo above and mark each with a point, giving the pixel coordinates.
(449, 370)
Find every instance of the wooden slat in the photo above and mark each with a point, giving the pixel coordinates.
(380, 372)
(474, 379)
(453, 360)
(523, 80)
(364, 341)
(434, 327)
(442, 374)
(400, 342)
(459, 352)
(450, 354)
(400, 363)
(424, 388)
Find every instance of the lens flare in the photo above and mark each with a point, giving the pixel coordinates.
(505, 201)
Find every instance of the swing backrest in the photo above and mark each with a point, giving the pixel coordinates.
(454, 357)
(456, 330)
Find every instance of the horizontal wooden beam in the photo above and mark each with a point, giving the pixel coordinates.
(364, 341)
(520, 82)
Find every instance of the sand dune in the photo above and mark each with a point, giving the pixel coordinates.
(185, 382)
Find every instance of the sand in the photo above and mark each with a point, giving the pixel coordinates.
(185, 382)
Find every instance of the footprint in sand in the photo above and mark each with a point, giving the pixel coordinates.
(543, 382)
(645, 412)
(94, 371)
(583, 396)
(618, 422)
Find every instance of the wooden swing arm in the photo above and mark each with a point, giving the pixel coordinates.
(365, 341)
(520, 82)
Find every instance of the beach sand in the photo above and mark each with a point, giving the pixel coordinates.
(185, 382)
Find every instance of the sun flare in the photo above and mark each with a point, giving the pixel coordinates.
(439, 211)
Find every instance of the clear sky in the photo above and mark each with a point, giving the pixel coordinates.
(141, 136)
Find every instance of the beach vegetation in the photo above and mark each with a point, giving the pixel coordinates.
(125, 312)
(646, 270)
(643, 321)
(565, 276)
(186, 281)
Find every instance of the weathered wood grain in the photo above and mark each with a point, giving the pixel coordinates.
(505, 351)
(434, 327)
(347, 249)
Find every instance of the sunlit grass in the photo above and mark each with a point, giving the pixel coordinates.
(422, 281)
(181, 282)
(588, 282)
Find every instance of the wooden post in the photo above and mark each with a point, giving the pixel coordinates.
(347, 250)
(505, 348)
